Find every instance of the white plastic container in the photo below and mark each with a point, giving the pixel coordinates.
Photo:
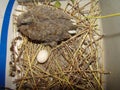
(111, 28)
(111, 42)
(5, 20)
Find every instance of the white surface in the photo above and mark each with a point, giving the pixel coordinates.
(3, 4)
(111, 28)
(9, 80)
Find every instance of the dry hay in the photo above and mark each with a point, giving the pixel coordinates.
(72, 65)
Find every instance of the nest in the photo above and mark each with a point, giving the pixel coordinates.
(74, 64)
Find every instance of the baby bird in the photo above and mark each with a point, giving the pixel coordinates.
(45, 24)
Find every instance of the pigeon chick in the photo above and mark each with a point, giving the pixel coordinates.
(45, 24)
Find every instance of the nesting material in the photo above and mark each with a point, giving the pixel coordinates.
(72, 62)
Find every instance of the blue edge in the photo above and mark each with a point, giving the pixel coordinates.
(3, 42)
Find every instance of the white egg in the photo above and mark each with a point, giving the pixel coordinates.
(72, 31)
(42, 56)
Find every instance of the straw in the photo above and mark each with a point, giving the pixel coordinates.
(72, 65)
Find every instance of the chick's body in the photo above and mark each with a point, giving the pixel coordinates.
(45, 24)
